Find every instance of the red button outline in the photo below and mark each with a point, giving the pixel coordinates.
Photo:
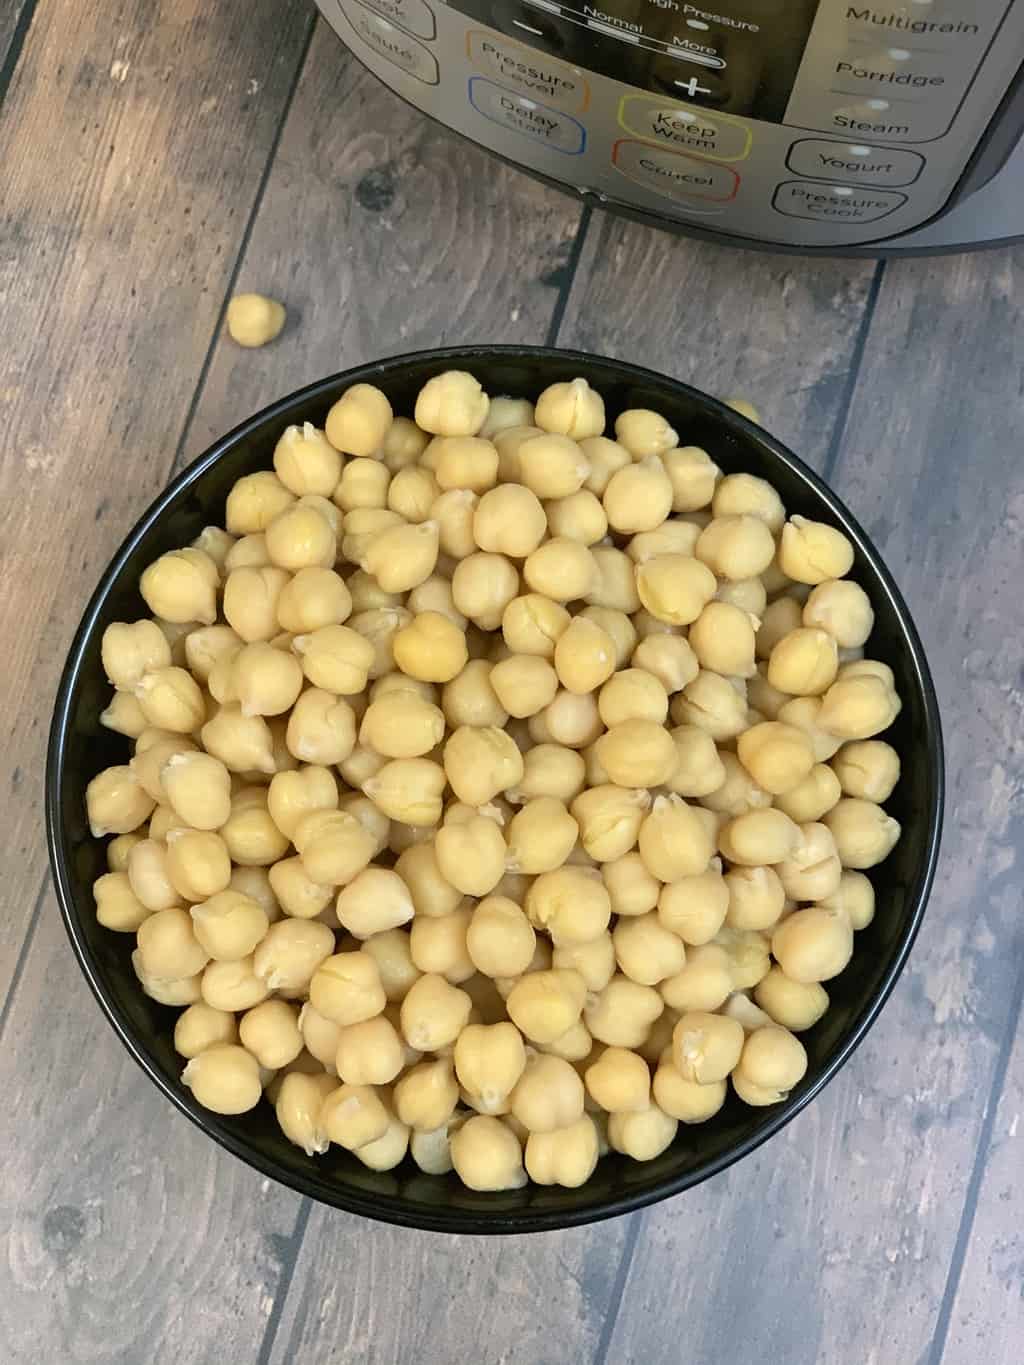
(701, 162)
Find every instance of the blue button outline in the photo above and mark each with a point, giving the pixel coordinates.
(518, 95)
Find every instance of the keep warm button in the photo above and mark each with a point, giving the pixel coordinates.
(673, 174)
(835, 203)
(523, 115)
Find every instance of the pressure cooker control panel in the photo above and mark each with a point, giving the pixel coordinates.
(804, 123)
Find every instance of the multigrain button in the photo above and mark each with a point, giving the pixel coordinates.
(854, 162)
(835, 203)
(673, 174)
(414, 16)
(391, 43)
(691, 130)
(529, 71)
(523, 115)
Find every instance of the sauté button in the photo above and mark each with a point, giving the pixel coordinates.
(835, 203)
(854, 162)
(691, 130)
(529, 71)
(523, 115)
(674, 174)
(392, 44)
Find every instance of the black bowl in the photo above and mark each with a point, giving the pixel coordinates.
(80, 747)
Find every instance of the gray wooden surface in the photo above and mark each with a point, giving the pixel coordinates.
(157, 156)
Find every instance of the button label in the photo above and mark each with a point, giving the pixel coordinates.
(392, 44)
(674, 174)
(415, 16)
(853, 161)
(529, 71)
(522, 115)
(693, 130)
(834, 203)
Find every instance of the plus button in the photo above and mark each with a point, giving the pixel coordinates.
(692, 87)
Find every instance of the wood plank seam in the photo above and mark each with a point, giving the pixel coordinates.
(850, 387)
(619, 1288)
(17, 43)
(963, 1237)
(23, 952)
(575, 252)
(284, 1283)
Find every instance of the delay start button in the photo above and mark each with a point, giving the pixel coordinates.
(673, 174)
(835, 203)
(522, 115)
(529, 71)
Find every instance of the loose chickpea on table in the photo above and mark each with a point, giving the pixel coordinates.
(502, 788)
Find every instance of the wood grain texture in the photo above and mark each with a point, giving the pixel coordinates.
(778, 330)
(987, 1314)
(859, 1201)
(538, 1300)
(127, 1235)
(383, 234)
(126, 192)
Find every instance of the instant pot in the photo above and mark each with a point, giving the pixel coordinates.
(802, 124)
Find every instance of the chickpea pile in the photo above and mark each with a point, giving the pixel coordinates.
(501, 788)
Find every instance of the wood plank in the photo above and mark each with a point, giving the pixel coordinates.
(408, 238)
(126, 192)
(15, 20)
(859, 1202)
(779, 330)
(128, 1235)
(987, 1314)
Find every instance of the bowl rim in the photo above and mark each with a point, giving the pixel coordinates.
(399, 1212)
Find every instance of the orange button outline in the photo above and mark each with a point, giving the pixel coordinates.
(555, 62)
(712, 116)
(682, 156)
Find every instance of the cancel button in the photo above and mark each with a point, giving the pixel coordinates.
(835, 203)
(854, 162)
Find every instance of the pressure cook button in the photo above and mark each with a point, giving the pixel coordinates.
(673, 174)
(523, 115)
(691, 130)
(835, 203)
(854, 162)
(529, 71)
(392, 44)
(414, 16)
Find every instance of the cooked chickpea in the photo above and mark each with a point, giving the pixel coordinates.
(181, 586)
(795, 1005)
(412, 493)
(693, 476)
(646, 951)
(431, 894)
(864, 834)
(197, 863)
(609, 818)
(180, 991)
(524, 684)
(579, 516)
(463, 462)
(509, 520)
(270, 1031)
(403, 443)
(290, 952)
(251, 837)
(571, 720)
(298, 1106)
(266, 681)
(353, 1115)
(722, 638)
(811, 552)
(229, 925)
(804, 662)
(431, 648)
(242, 743)
(868, 769)
(812, 798)
(198, 787)
(505, 413)
(858, 706)
(736, 547)
(584, 656)
(402, 725)
(251, 597)
(248, 552)
(560, 569)
(224, 1078)
(426, 1095)
(375, 900)
(686, 1100)
(500, 939)
(486, 1155)
(643, 432)
(546, 1004)
(168, 947)
(812, 872)
(452, 404)
(675, 588)
(669, 658)
(699, 770)
(292, 795)
(123, 715)
(772, 1060)
(622, 1013)
(777, 756)
(454, 513)
(637, 753)
(402, 557)
(171, 699)
(232, 986)
(759, 837)
(369, 1052)
(756, 897)
(531, 624)
(116, 802)
(489, 1060)
(706, 1047)
(638, 497)
(201, 1026)
(642, 1136)
(360, 527)
(855, 898)
(480, 762)
(117, 906)
(346, 988)
(433, 1014)
(674, 841)
(570, 903)
(548, 1096)
(129, 652)
(814, 944)
(843, 609)
(630, 886)
(704, 983)
(358, 422)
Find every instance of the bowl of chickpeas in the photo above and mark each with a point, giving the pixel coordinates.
(494, 789)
